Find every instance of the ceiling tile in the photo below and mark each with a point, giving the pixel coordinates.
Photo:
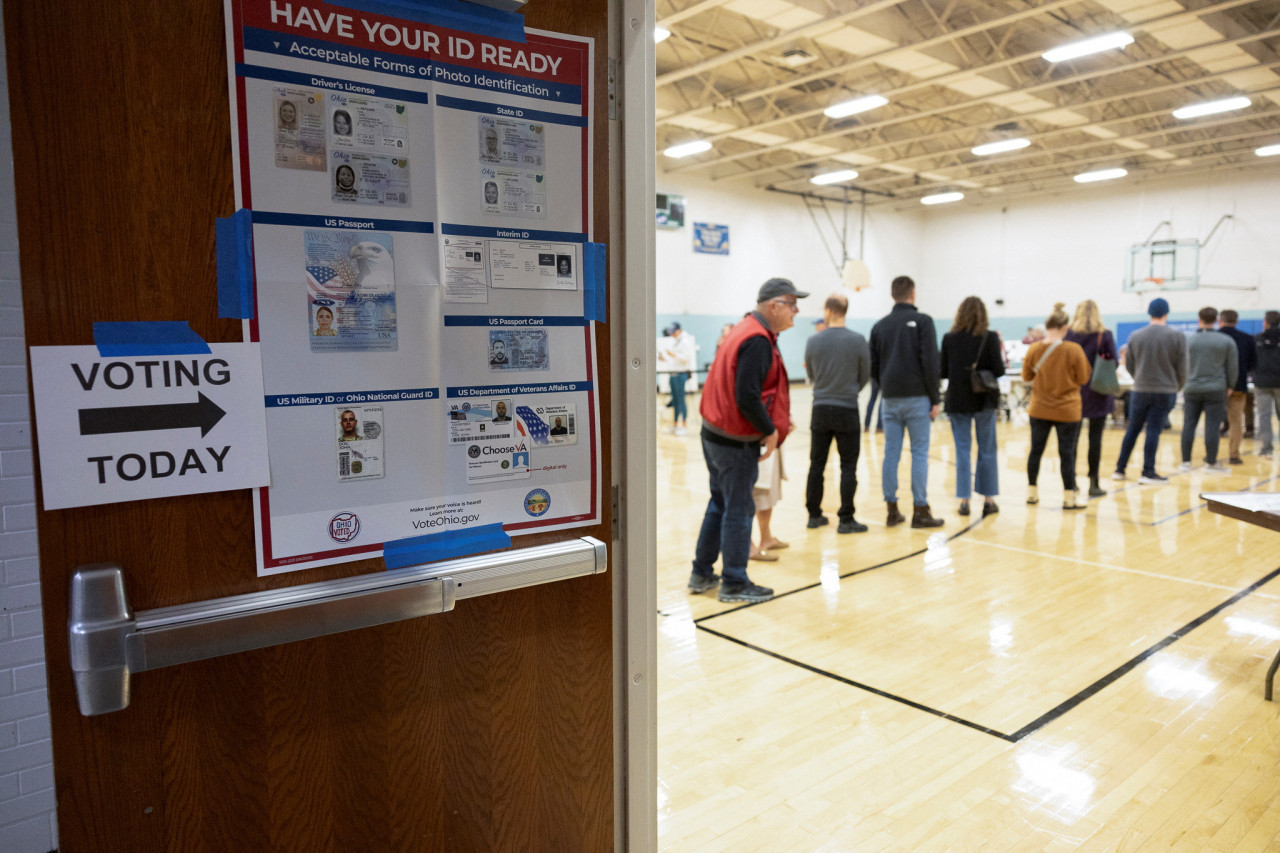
(855, 41)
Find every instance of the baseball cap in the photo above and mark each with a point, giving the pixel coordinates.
(671, 330)
(775, 287)
(1159, 307)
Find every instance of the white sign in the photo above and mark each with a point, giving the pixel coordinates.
(128, 428)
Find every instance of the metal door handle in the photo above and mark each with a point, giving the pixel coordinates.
(108, 642)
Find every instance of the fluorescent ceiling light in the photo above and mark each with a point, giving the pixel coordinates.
(834, 177)
(1268, 150)
(1001, 146)
(1100, 175)
(685, 149)
(857, 105)
(1075, 49)
(1209, 108)
(660, 34)
(941, 198)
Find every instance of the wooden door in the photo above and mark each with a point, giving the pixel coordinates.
(487, 728)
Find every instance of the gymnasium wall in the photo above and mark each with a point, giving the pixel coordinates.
(1028, 252)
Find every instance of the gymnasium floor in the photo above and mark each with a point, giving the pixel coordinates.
(1036, 681)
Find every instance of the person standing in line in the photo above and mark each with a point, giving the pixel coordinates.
(746, 407)
(904, 361)
(1088, 331)
(838, 361)
(1266, 379)
(968, 347)
(1247, 355)
(1156, 358)
(1212, 362)
(679, 354)
(1056, 368)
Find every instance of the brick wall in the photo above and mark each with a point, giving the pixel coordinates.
(28, 823)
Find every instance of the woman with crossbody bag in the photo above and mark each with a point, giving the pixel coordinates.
(1056, 368)
(973, 356)
(1099, 348)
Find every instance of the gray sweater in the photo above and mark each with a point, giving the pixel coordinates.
(838, 361)
(1213, 364)
(1157, 359)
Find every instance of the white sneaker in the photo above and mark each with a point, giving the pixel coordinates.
(1118, 475)
(681, 431)
(1184, 467)
(669, 430)
(1216, 467)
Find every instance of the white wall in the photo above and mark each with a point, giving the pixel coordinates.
(27, 820)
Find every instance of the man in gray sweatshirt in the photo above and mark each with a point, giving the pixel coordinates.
(1213, 366)
(1156, 357)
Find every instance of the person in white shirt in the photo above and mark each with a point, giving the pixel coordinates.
(678, 357)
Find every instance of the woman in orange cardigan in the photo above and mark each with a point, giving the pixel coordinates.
(1056, 368)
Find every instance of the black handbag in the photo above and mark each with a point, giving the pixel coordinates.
(982, 381)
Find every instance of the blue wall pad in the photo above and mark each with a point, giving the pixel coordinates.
(454, 14)
(444, 546)
(165, 337)
(235, 265)
(594, 283)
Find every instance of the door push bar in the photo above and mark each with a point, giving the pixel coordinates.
(109, 642)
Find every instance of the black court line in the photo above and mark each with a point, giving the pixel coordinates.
(1036, 724)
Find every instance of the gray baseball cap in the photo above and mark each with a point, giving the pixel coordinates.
(775, 287)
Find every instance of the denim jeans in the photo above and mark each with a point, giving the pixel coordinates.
(1068, 437)
(726, 528)
(826, 423)
(676, 382)
(871, 407)
(910, 415)
(1268, 403)
(983, 423)
(1148, 410)
(1213, 404)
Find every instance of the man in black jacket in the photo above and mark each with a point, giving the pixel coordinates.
(904, 362)
(1266, 379)
(1238, 395)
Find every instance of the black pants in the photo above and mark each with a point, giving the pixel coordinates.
(826, 423)
(1068, 434)
(1096, 426)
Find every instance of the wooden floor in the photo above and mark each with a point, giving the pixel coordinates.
(1038, 680)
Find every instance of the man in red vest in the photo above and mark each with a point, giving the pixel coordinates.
(746, 415)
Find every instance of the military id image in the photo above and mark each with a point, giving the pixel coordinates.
(359, 442)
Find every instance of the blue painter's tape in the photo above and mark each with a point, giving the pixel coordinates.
(594, 282)
(235, 265)
(166, 337)
(444, 546)
(453, 14)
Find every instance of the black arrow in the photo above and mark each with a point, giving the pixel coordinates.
(203, 413)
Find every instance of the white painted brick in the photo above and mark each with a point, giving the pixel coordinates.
(19, 517)
(9, 267)
(10, 321)
(13, 380)
(36, 779)
(8, 682)
(9, 786)
(28, 623)
(6, 630)
(22, 570)
(20, 706)
(14, 408)
(34, 728)
(23, 651)
(15, 463)
(19, 597)
(22, 544)
(27, 755)
(12, 350)
(24, 807)
(32, 835)
(8, 737)
(15, 436)
(17, 490)
(29, 677)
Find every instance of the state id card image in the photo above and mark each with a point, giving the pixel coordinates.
(351, 290)
(512, 142)
(361, 178)
(359, 442)
(372, 124)
(298, 121)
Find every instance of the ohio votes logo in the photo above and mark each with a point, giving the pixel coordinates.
(474, 451)
(344, 527)
(537, 502)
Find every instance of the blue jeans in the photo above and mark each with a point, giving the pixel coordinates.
(1213, 404)
(726, 528)
(912, 415)
(984, 424)
(676, 382)
(1149, 410)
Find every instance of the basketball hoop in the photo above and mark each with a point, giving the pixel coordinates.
(1155, 281)
(856, 275)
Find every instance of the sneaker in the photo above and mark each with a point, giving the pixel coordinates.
(669, 430)
(1236, 460)
(1184, 467)
(1152, 480)
(817, 521)
(1118, 475)
(1216, 467)
(851, 526)
(698, 583)
(744, 592)
(681, 431)
(1266, 454)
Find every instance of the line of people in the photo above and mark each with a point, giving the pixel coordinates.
(745, 407)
